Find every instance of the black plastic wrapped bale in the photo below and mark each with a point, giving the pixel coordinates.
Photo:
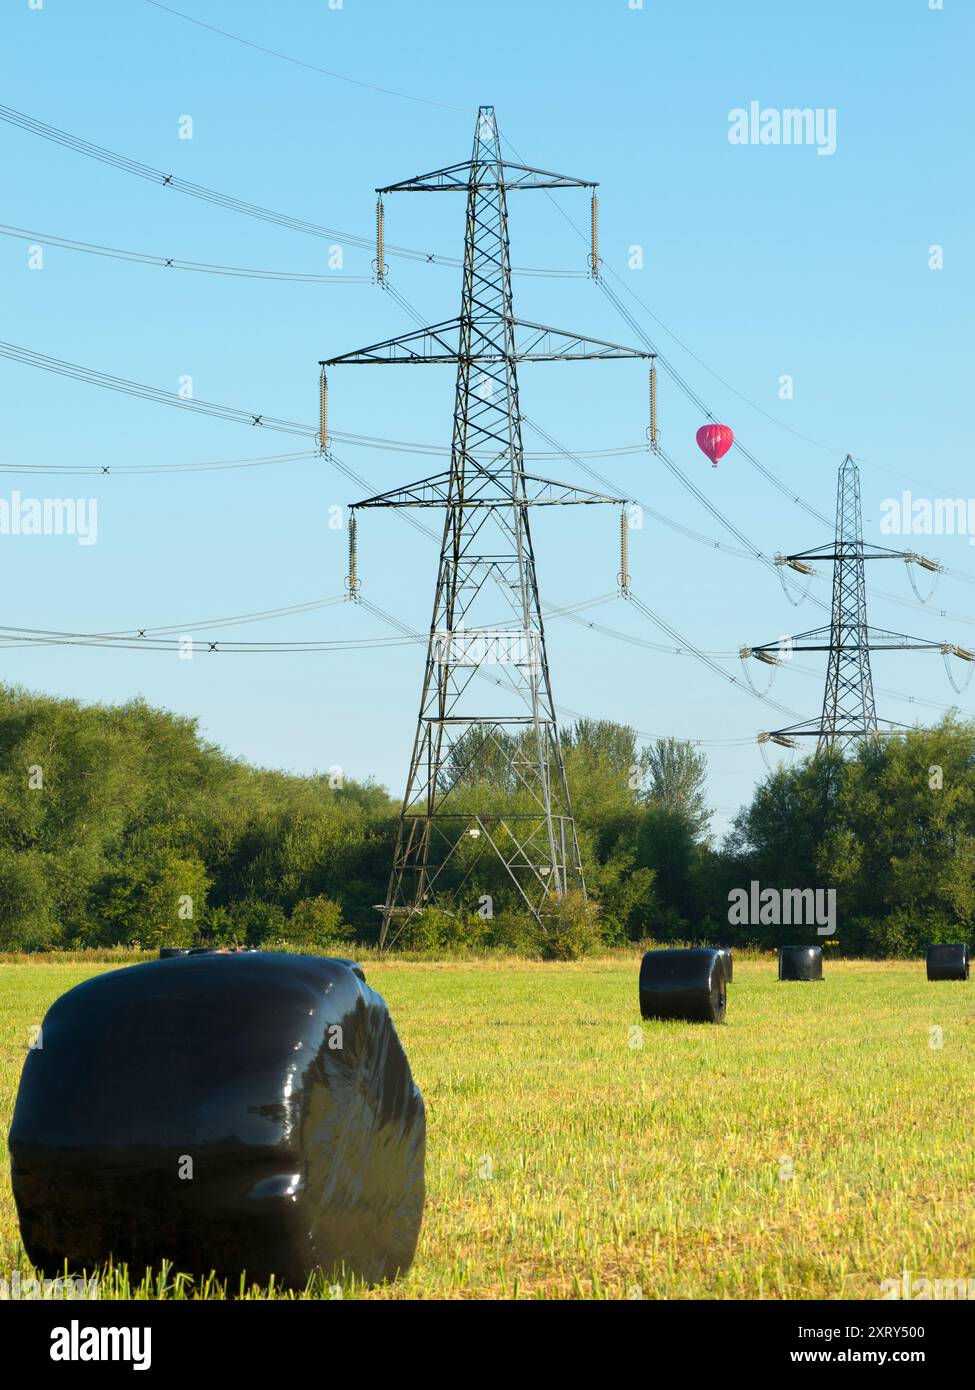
(800, 962)
(728, 961)
(948, 962)
(242, 1112)
(170, 952)
(687, 984)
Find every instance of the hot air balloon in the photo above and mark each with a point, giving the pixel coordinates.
(715, 441)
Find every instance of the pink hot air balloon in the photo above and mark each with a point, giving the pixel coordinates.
(715, 441)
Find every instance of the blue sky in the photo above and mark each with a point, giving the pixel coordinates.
(759, 261)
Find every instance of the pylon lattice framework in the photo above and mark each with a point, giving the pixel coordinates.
(461, 742)
(849, 710)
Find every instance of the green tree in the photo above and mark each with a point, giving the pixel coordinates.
(677, 780)
(317, 922)
(891, 830)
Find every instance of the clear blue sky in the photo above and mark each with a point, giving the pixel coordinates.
(762, 260)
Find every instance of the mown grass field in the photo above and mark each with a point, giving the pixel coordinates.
(569, 1156)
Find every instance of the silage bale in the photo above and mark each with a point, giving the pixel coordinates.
(727, 959)
(687, 984)
(948, 962)
(800, 963)
(242, 1112)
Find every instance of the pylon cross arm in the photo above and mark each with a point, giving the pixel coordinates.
(440, 342)
(823, 639)
(851, 552)
(538, 343)
(437, 343)
(468, 174)
(486, 488)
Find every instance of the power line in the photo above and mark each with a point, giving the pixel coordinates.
(305, 277)
(701, 656)
(260, 616)
(54, 638)
(104, 380)
(194, 190)
(633, 640)
(171, 636)
(153, 393)
(145, 171)
(670, 333)
(112, 469)
(750, 548)
(750, 551)
(26, 355)
(174, 263)
(93, 377)
(224, 412)
(210, 195)
(312, 67)
(641, 607)
(705, 410)
(773, 419)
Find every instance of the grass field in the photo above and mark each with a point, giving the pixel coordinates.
(574, 1151)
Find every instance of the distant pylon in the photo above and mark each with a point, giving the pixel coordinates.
(486, 773)
(849, 711)
(848, 701)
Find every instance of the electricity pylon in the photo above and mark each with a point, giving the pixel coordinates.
(849, 711)
(466, 742)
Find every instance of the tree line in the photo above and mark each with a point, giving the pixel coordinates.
(122, 825)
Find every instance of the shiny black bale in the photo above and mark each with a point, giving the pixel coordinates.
(247, 1112)
(948, 962)
(688, 984)
(800, 963)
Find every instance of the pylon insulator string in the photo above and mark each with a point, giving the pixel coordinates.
(624, 574)
(594, 252)
(652, 435)
(924, 564)
(380, 240)
(323, 412)
(352, 579)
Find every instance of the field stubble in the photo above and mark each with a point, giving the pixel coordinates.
(813, 1146)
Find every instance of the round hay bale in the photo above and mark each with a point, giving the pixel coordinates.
(248, 1112)
(171, 952)
(727, 958)
(687, 984)
(800, 962)
(948, 962)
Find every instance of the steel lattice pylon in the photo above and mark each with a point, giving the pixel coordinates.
(849, 711)
(486, 611)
